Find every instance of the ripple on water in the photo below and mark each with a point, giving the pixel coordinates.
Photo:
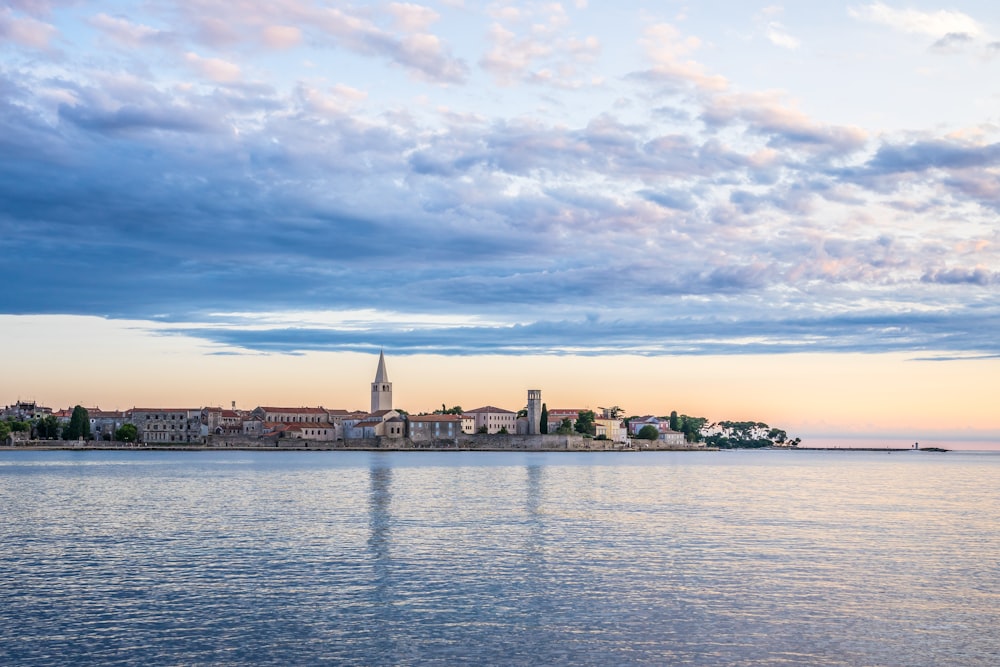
(352, 558)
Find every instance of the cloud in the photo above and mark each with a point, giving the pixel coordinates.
(975, 276)
(673, 215)
(128, 34)
(952, 42)
(668, 51)
(26, 31)
(778, 36)
(214, 69)
(418, 51)
(936, 24)
(281, 36)
(532, 45)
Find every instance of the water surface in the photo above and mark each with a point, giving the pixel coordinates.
(305, 558)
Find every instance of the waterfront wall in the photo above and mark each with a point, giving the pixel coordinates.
(466, 442)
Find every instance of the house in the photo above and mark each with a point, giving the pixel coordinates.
(291, 415)
(165, 425)
(558, 415)
(372, 425)
(490, 419)
(612, 428)
(105, 423)
(307, 431)
(423, 428)
(667, 436)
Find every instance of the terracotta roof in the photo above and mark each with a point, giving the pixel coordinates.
(489, 408)
(295, 411)
(366, 424)
(435, 418)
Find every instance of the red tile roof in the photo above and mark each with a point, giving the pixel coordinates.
(435, 418)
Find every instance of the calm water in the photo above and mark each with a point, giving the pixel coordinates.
(744, 558)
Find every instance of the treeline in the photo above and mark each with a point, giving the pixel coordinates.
(748, 435)
(722, 434)
(50, 428)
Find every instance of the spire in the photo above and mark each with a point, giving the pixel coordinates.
(380, 374)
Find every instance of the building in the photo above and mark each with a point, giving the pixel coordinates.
(423, 428)
(165, 425)
(490, 419)
(373, 425)
(611, 427)
(381, 387)
(105, 423)
(291, 415)
(534, 411)
(307, 431)
(667, 436)
(556, 417)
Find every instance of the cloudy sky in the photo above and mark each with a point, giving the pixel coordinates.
(663, 187)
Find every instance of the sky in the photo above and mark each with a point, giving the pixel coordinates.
(779, 212)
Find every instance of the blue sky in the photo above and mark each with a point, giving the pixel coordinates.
(461, 178)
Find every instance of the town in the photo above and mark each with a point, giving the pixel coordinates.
(535, 426)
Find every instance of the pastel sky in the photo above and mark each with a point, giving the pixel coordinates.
(786, 212)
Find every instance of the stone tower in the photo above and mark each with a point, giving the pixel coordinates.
(381, 387)
(534, 411)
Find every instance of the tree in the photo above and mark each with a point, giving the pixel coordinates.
(127, 433)
(615, 412)
(47, 427)
(585, 423)
(566, 427)
(483, 429)
(523, 412)
(543, 427)
(648, 432)
(675, 422)
(4, 429)
(692, 427)
(503, 430)
(79, 425)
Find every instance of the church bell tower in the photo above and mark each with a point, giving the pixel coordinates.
(381, 387)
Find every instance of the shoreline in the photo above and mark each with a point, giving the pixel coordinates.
(327, 448)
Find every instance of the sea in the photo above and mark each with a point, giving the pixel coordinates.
(491, 558)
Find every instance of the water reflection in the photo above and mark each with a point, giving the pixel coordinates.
(380, 555)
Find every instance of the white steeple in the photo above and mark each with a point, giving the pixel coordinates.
(381, 387)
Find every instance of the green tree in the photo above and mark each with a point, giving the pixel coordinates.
(483, 429)
(675, 422)
(4, 429)
(79, 425)
(692, 427)
(648, 432)
(503, 430)
(17, 426)
(585, 423)
(543, 427)
(47, 427)
(127, 433)
(566, 427)
(523, 412)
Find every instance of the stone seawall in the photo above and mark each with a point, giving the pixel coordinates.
(468, 442)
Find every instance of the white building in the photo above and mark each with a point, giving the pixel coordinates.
(493, 419)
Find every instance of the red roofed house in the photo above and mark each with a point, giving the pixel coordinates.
(435, 427)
